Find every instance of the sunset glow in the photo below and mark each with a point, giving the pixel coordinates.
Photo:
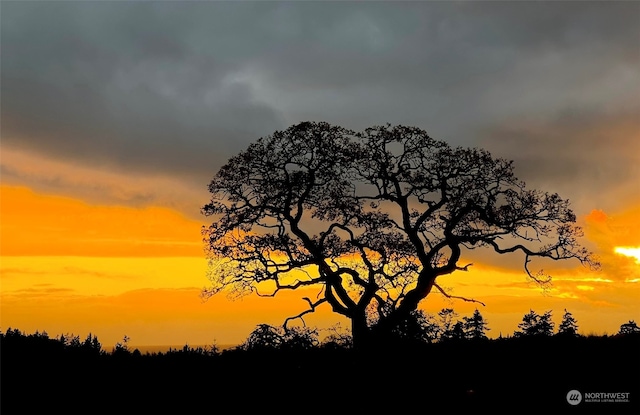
(140, 271)
(115, 119)
(630, 252)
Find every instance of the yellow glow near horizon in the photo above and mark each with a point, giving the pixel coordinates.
(69, 266)
(633, 252)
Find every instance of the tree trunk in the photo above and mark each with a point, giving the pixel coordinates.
(408, 305)
(360, 332)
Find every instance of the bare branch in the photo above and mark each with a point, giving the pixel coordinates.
(465, 268)
(312, 308)
(446, 294)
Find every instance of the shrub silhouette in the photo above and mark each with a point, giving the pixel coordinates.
(266, 337)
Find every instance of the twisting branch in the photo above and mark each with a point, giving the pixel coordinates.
(375, 216)
(457, 297)
(312, 308)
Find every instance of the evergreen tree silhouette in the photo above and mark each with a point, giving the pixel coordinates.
(475, 326)
(569, 325)
(446, 316)
(457, 332)
(534, 324)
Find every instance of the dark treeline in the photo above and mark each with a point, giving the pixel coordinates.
(434, 364)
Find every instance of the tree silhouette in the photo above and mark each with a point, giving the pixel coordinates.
(569, 325)
(264, 337)
(629, 327)
(534, 324)
(446, 323)
(528, 325)
(418, 327)
(545, 326)
(457, 331)
(300, 338)
(122, 348)
(475, 326)
(371, 219)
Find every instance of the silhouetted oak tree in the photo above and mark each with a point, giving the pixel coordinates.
(371, 219)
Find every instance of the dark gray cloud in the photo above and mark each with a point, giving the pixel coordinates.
(176, 88)
(120, 84)
(593, 158)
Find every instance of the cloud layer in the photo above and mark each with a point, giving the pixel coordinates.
(175, 89)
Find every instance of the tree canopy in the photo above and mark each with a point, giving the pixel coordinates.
(534, 324)
(372, 219)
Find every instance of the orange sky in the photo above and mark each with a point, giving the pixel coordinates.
(72, 267)
(115, 116)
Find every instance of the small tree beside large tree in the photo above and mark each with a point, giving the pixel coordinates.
(372, 220)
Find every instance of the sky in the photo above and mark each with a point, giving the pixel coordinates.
(116, 115)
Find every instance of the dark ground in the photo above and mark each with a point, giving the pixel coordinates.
(510, 376)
